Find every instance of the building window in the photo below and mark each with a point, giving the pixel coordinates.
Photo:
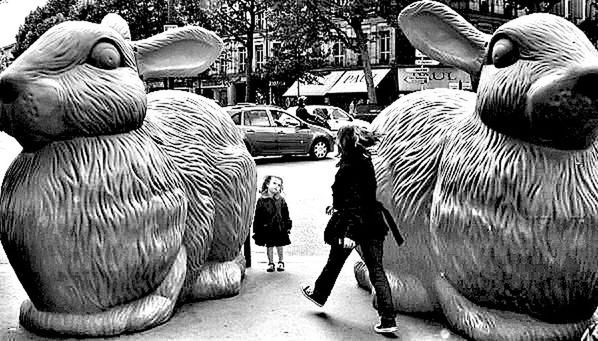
(259, 57)
(338, 53)
(242, 59)
(276, 49)
(260, 21)
(384, 47)
(223, 62)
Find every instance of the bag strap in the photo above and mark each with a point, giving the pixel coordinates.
(391, 224)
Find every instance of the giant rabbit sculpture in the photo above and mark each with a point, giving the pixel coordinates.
(121, 204)
(496, 191)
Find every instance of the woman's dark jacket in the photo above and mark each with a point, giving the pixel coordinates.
(271, 224)
(357, 213)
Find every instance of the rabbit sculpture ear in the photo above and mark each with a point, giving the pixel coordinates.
(117, 23)
(443, 35)
(180, 52)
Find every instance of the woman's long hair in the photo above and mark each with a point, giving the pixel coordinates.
(346, 140)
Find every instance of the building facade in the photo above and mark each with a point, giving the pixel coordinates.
(341, 80)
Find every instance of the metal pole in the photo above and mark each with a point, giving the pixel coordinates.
(247, 251)
(298, 57)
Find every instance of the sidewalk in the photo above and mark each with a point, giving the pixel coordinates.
(270, 307)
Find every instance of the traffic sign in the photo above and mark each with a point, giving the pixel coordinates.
(419, 54)
(417, 69)
(426, 62)
(460, 85)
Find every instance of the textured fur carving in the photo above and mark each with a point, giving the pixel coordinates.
(121, 204)
(496, 192)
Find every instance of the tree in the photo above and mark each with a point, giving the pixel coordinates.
(4, 61)
(40, 20)
(301, 42)
(237, 19)
(145, 17)
(334, 15)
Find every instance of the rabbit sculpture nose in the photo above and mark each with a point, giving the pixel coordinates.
(8, 89)
(587, 84)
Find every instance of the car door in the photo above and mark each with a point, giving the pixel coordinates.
(260, 131)
(339, 118)
(293, 138)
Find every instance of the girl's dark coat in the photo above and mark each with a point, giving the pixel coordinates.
(358, 214)
(272, 224)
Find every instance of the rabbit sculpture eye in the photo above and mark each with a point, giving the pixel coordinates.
(122, 204)
(504, 52)
(105, 55)
(496, 191)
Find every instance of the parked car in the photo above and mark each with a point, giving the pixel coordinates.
(269, 130)
(367, 112)
(334, 116)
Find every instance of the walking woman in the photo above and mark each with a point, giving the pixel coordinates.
(355, 221)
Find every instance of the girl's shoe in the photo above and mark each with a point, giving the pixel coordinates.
(280, 266)
(270, 267)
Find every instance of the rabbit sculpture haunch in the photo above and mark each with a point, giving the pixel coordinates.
(496, 192)
(121, 204)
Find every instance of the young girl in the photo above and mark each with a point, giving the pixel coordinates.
(272, 225)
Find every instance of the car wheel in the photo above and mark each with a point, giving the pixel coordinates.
(319, 149)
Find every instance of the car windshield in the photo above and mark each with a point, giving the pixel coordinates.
(338, 114)
(322, 112)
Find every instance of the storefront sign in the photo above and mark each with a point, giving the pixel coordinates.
(426, 62)
(437, 77)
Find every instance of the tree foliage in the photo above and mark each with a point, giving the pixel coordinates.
(4, 61)
(145, 17)
(301, 38)
(236, 19)
(40, 20)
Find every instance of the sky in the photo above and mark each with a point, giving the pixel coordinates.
(12, 15)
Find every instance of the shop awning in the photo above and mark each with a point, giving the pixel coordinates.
(317, 87)
(354, 81)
